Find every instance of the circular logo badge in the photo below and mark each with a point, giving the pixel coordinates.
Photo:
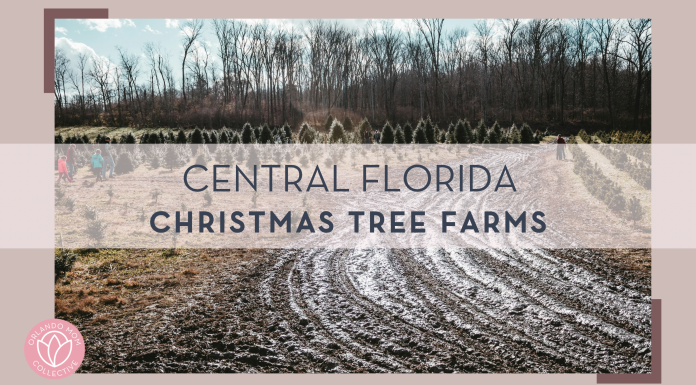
(54, 348)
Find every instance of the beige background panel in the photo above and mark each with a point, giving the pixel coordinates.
(27, 287)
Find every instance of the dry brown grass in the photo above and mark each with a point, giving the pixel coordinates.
(108, 284)
(83, 292)
(83, 308)
(111, 299)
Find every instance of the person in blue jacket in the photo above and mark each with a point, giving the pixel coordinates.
(108, 160)
(97, 165)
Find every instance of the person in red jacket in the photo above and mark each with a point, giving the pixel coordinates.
(63, 170)
(560, 148)
(70, 160)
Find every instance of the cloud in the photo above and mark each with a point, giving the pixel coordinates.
(102, 25)
(149, 29)
(171, 23)
(186, 31)
(281, 24)
(73, 49)
(404, 25)
(198, 50)
(62, 30)
(381, 25)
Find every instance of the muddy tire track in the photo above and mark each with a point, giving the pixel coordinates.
(409, 310)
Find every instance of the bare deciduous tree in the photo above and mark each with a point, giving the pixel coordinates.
(190, 30)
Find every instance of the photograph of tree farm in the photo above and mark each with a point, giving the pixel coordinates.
(285, 83)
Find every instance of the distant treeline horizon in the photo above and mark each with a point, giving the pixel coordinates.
(545, 72)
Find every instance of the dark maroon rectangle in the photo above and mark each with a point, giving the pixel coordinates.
(50, 16)
(655, 377)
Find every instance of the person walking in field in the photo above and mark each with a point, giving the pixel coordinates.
(108, 160)
(560, 148)
(367, 136)
(97, 165)
(63, 170)
(70, 161)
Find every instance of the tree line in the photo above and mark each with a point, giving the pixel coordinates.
(541, 71)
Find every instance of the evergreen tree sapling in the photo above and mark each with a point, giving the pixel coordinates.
(408, 133)
(481, 131)
(248, 134)
(399, 137)
(224, 138)
(495, 134)
(124, 164)
(419, 135)
(337, 133)
(181, 137)
(200, 158)
(197, 137)
(635, 210)
(288, 130)
(171, 158)
(442, 137)
(362, 127)
(307, 133)
(266, 135)
(462, 132)
(387, 136)
(348, 124)
(514, 135)
(430, 131)
(526, 135)
(328, 122)
(153, 138)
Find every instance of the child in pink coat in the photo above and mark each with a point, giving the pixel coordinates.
(63, 170)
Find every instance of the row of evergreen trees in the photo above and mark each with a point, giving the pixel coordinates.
(603, 188)
(425, 132)
(619, 137)
(248, 134)
(637, 169)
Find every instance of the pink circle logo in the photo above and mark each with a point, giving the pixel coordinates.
(54, 348)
